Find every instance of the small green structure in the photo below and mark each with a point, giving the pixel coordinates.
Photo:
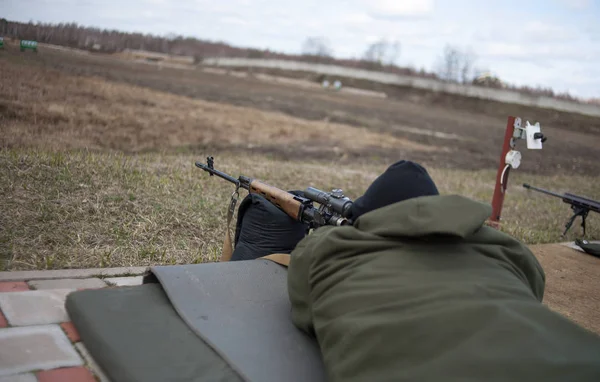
(28, 44)
(1, 42)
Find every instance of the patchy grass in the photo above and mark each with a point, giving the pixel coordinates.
(42, 108)
(65, 210)
(101, 174)
(76, 209)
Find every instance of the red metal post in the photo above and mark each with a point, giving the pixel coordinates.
(498, 198)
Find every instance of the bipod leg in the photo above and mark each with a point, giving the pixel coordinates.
(578, 212)
(583, 216)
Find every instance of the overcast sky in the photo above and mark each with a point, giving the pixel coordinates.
(552, 43)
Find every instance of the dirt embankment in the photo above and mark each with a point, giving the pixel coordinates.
(468, 132)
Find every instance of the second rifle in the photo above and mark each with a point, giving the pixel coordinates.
(580, 205)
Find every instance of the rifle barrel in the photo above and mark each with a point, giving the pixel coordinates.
(543, 191)
(218, 173)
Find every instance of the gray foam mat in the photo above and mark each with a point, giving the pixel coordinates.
(243, 311)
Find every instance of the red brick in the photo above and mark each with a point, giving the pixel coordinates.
(3, 322)
(71, 374)
(13, 286)
(70, 331)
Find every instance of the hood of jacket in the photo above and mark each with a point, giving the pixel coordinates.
(447, 215)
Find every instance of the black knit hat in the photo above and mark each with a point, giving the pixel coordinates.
(401, 181)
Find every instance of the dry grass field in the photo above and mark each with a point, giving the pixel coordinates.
(97, 156)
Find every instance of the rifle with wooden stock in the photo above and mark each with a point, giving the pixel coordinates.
(334, 206)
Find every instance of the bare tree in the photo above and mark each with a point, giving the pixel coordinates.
(375, 52)
(3, 26)
(317, 46)
(467, 61)
(449, 64)
(456, 65)
(382, 52)
(393, 52)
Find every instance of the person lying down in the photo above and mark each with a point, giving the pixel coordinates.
(420, 289)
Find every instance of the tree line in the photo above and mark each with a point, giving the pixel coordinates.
(111, 41)
(454, 64)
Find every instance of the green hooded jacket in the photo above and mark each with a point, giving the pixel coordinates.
(422, 290)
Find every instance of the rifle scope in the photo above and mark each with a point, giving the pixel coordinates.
(335, 200)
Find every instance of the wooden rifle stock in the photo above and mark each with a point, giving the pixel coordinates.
(334, 208)
(283, 200)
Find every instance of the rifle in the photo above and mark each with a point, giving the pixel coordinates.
(579, 204)
(334, 206)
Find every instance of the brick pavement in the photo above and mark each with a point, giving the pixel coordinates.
(38, 343)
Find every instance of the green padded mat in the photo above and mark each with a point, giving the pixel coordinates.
(204, 322)
(134, 334)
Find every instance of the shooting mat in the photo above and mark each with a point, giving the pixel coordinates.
(135, 335)
(225, 321)
(242, 310)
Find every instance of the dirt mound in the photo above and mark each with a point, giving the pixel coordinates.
(572, 283)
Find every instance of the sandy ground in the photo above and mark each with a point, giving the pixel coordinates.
(572, 283)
